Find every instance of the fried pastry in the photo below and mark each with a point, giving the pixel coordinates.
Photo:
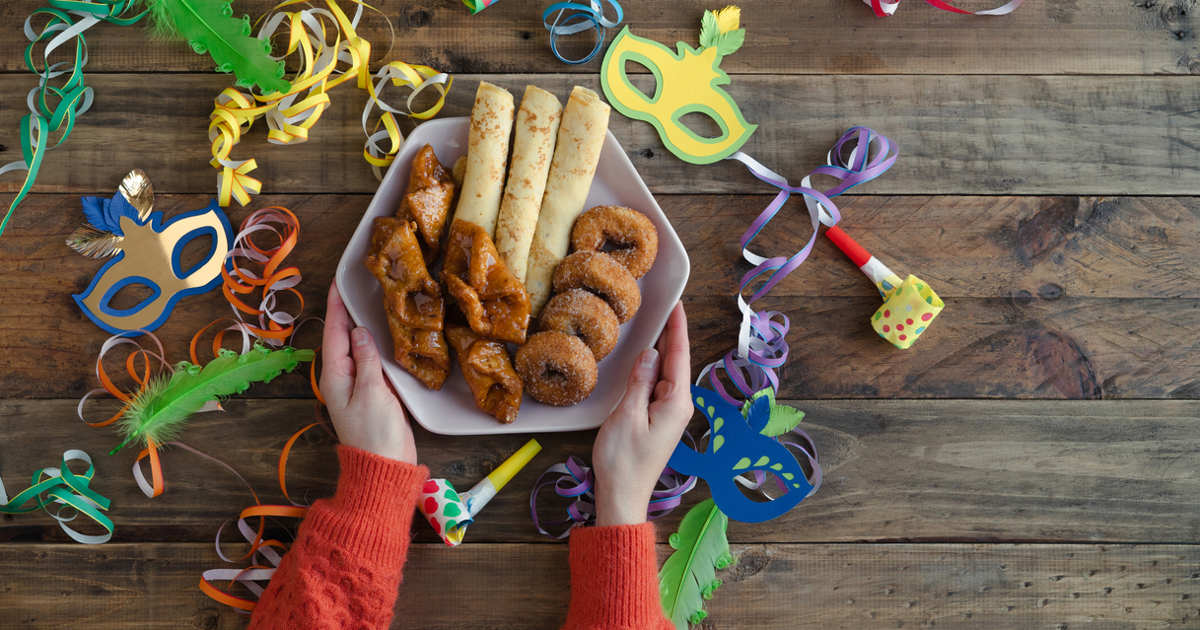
(489, 373)
(490, 296)
(412, 300)
(427, 202)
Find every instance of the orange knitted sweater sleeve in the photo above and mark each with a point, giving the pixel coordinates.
(614, 580)
(344, 568)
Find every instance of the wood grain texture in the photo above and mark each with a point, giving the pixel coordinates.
(812, 38)
(123, 586)
(1050, 297)
(894, 470)
(957, 134)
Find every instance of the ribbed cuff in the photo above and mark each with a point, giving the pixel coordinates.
(614, 577)
(371, 513)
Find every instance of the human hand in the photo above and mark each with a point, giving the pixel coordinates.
(637, 439)
(365, 411)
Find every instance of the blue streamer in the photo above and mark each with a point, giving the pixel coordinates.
(572, 18)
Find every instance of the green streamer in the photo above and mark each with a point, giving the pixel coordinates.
(54, 108)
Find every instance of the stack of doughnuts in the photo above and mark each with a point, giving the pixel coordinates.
(595, 290)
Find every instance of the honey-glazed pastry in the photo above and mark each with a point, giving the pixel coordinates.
(427, 200)
(412, 301)
(623, 233)
(489, 373)
(557, 369)
(603, 275)
(581, 314)
(489, 295)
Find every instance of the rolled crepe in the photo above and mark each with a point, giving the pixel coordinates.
(576, 153)
(533, 145)
(487, 154)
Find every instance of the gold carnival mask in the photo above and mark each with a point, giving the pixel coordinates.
(146, 252)
(686, 83)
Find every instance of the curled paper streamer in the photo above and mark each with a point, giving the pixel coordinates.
(571, 18)
(884, 9)
(55, 106)
(573, 480)
(69, 491)
(762, 347)
(449, 512)
(263, 555)
(257, 272)
(328, 52)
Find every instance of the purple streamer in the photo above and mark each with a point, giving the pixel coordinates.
(858, 156)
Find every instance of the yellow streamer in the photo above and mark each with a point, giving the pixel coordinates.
(329, 52)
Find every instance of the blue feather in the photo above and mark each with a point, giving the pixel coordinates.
(105, 214)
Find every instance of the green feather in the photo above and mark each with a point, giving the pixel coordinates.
(784, 418)
(709, 32)
(160, 410)
(728, 43)
(210, 27)
(689, 576)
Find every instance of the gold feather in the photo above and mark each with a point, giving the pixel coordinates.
(139, 192)
(94, 243)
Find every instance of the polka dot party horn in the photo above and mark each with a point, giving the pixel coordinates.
(449, 512)
(909, 305)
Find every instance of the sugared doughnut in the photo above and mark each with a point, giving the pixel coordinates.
(623, 233)
(603, 275)
(581, 314)
(556, 368)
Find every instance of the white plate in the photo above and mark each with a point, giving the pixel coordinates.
(452, 410)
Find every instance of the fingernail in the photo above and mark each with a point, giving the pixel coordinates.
(649, 358)
(359, 336)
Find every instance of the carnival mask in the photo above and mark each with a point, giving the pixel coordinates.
(737, 447)
(686, 83)
(147, 251)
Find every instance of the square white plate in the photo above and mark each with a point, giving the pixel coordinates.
(452, 410)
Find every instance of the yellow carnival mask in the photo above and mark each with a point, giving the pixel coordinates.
(686, 83)
(146, 252)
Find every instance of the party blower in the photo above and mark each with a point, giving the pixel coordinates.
(909, 306)
(450, 512)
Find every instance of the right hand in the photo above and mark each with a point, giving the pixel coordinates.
(366, 412)
(637, 439)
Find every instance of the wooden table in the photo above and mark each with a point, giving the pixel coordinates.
(1030, 464)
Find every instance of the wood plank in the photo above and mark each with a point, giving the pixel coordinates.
(822, 36)
(894, 471)
(1119, 247)
(957, 135)
(1024, 318)
(505, 586)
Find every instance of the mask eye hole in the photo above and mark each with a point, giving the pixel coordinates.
(762, 486)
(640, 76)
(701, 124)
(192, 251)
(129, 296)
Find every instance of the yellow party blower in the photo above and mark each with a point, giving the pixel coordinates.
(449, 513)
(909, 306)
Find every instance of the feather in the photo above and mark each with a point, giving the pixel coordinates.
(689, 576)
(709, 30)
(209, 26)
(783, 418)
(94, 243)
(139, 193)
(105, 214)
(159, 411)
(728, 19)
